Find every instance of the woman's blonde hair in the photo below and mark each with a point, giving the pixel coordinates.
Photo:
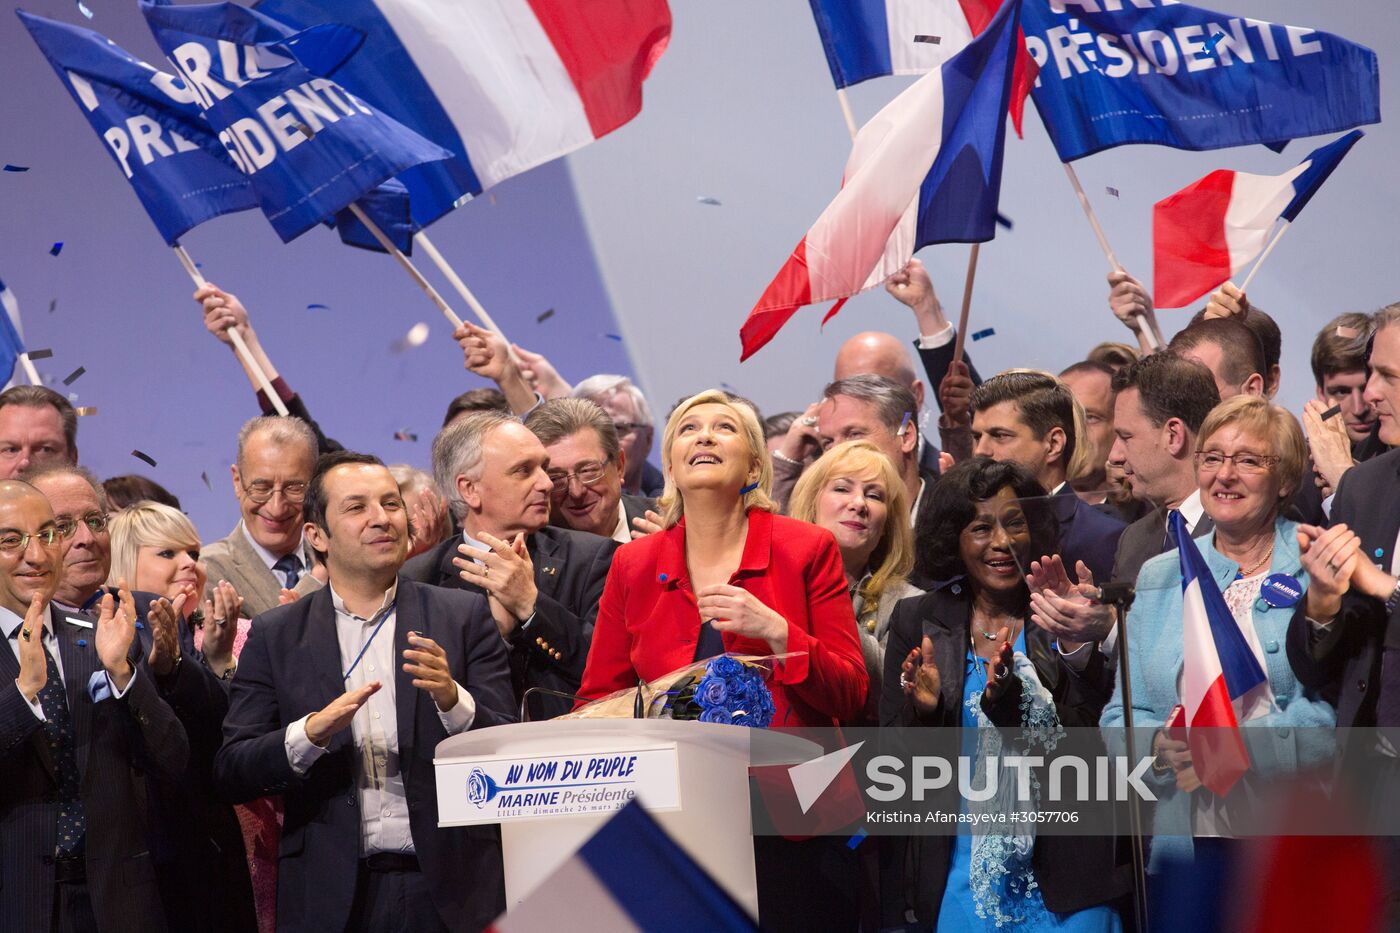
(893, 557)
(146, 524)
(671, 504)
(1263, 419)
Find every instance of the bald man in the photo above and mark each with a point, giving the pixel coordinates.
(875, 353)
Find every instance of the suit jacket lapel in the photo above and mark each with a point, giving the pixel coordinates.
(447, 573)
(948, 627)
(9, 670)
(79, 664)
(325, 644)
(408, 617)
(547, 556)
(260, 581)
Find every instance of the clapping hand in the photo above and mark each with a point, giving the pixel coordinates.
(116, 628)
(427, 663)
(427, 521)
(507, 575)
(919, 678)
(999, 670)
(33, 666)
(336, 715)
(1066, 608)
(221, 615)
(1329, 556)
(1329, 444)
(163, 616)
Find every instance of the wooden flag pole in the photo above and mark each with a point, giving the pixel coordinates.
(1113, 262)
(967, 302)
(1265, 255)
(847, 112)
(239, 346)
(408, 266)
(421, 238)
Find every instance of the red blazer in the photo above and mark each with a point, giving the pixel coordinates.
(648, 623)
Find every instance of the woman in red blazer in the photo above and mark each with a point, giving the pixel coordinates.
(727, 574)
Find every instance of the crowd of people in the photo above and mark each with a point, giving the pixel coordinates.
(238, 734)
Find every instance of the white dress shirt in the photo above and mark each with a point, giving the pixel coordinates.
(384, 824)
(271, 559)
(11, 624)
(621, 534)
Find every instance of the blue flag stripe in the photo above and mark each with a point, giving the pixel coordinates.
(1323, 160)
(855, 36)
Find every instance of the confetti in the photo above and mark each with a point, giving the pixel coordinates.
(16, 168)
(1332, 412)
(904, 423)
(205, 476)
(306, 131)
(38, 354)
(417, 335)
(144, 456)
(857, 839)
(82, 8)
(989, 332)
(713, 202)
(405, 436)
(316, 307)
(1213, 41)
(74, 376)
(1348, 333)
(1112, 192)
(617, 337)
(84, 412)
(53, 304)
(56, 248)
(931, 40)
(1004, 221)
(540, 319)
(72, 396)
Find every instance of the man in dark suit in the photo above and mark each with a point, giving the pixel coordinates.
(1029, 417)
(586, 465)
(80, 722)
(339, 701)
(1159, 407)
(543, 584)
(196, 842)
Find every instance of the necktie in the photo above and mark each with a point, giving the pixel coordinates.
(290, 568)
(58, 730)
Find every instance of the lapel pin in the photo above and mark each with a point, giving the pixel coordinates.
(82, 642)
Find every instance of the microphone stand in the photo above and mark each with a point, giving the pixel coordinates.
(1120, 597)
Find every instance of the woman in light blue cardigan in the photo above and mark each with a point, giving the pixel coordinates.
(1249, 461)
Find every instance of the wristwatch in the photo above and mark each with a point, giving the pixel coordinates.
(1394, 600)
(228, 672)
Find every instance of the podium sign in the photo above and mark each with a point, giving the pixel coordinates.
(497, 788)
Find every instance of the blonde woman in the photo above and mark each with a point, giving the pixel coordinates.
(855, 493)
(155, 548)
(727, 574)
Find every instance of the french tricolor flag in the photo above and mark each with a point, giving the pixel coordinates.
(926, 169)
(1222, 681)
(1211, 229)
(629, 878)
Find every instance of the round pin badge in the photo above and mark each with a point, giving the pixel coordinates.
(1281, 590)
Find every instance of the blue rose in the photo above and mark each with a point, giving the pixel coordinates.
(725, 667)
(712, 692)
(716, 715)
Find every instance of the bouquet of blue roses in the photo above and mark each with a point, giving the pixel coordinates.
(729, 688)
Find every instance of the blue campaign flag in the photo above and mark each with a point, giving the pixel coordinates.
(151, 125)
(384, 74)
(11, 346)
(1172, 74)
(308, 146)
(388, 207)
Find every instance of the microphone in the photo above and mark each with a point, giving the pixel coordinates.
(639, 706)
(1116, 594)
(548, 692)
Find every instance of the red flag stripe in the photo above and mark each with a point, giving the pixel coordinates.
(790, 289)
(1190, 253)
(1217, 749)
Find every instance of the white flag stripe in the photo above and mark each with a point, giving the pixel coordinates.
(906, 19)
(890, 158)
(497, 74)
(1200, 666)
(1256, 201)
(586, 903)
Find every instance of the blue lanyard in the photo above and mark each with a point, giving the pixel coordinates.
(387, 611)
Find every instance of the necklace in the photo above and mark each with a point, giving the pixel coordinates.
(1253, 570)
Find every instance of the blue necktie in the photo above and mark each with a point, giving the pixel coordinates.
(290, 568)
(58, 730)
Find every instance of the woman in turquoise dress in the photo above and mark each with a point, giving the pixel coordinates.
(963, 656)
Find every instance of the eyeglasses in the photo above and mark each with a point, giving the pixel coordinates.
(1210, 461)
(588, 473)
(96, 522)
(12, 542)
(261, 491)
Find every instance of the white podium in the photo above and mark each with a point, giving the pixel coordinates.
(551, 784)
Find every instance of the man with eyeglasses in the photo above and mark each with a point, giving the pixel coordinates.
(631, 417)
(80, 721)
(196, 840)
(265, 553)
(542, 583)
(586, 465)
